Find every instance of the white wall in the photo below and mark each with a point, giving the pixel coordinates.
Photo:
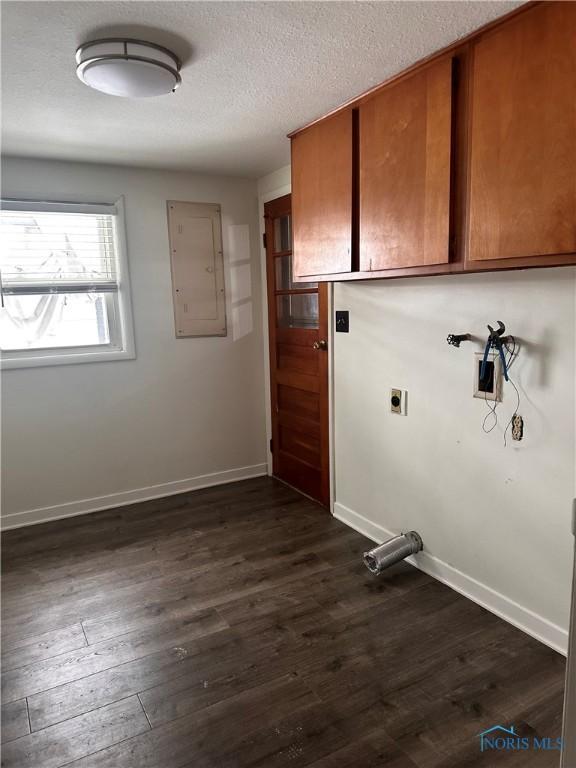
(183, 409)
(275, 184)
(495, 521)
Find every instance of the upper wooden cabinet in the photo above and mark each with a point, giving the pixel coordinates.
(522, 198)
(405, 145)
(466, 162)
(322, 197)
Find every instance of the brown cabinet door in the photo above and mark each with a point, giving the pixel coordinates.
(405, 146)
(322, 197)
(522, 200)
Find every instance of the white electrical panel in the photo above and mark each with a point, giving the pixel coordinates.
(195, 232)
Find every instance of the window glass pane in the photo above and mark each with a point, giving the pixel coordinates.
(47, 320)
(282, 234)
(297, 310)
(284, 275)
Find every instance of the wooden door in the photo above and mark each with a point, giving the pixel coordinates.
(405, 147)
(522, 200)
(298, 332)
(322, 197)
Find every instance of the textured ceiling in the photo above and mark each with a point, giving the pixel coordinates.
(253, 71)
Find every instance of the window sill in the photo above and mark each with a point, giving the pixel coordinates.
(40, 358)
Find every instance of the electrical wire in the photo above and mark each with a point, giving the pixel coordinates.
(512, 359)
(492, 408)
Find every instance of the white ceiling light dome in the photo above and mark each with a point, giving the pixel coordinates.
(126, 67)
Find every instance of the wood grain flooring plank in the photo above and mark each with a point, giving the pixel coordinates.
(202, 737)
(144, 521)
(15, 721)
(342, 645)
(185, 582)
(208, 588)
(161, 553)
(312, 735)
(146, 616)
(102, 688)
(18, 652)
(173, 681)
(374, 751)
(66, 667)
(102, 627)
(245, 662)
(337, 592)
(97, 579)
(76, 587)
(296, 740)
(61, 744)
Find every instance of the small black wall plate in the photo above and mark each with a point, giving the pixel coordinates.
(342, 321)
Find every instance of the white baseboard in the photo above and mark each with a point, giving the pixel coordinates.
(523, 618)
(85, 506)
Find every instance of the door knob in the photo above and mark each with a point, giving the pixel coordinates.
(322, 344)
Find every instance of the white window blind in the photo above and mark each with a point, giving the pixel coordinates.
(57, 251)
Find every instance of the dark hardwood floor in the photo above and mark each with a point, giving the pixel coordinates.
(236, 626)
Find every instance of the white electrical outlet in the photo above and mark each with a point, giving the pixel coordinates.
(517, 427)
(398, 401)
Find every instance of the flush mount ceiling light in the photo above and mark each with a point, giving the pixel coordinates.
(124, 67)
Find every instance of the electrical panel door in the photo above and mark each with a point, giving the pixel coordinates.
(196, 257)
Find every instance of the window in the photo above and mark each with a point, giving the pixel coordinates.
(64, 284)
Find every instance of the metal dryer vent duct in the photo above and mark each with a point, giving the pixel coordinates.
(392, 551)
